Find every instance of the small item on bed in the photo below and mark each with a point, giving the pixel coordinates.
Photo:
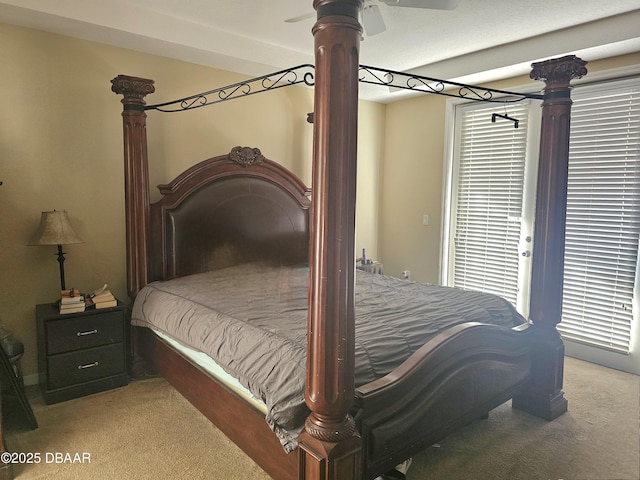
(363, 259)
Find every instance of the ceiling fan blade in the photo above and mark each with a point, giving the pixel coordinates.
(372, 19)
(300, 18)
(430, 4)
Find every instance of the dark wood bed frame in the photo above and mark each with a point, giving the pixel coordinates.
(458, 377)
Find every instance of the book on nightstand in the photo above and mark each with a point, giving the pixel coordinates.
(105, 303)
(72, 308)
(101, 298)
(71, 301)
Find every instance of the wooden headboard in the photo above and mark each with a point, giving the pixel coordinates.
(227, 210)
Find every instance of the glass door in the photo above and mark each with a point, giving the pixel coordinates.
(491, 214)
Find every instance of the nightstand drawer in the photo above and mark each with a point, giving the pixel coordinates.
(85, 365)
(80, 332)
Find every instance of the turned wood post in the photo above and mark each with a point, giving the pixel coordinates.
(544, 396)
(330, 445)
(136, 176)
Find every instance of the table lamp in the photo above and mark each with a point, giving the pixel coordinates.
(55, 229)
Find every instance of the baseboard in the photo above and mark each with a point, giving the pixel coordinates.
(606, 358)
(32, 379)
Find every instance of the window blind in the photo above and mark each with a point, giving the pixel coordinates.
(603, 216)
(488, 200)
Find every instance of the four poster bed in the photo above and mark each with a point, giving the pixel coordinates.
(285, 313)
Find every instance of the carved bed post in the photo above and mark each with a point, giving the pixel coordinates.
(330, 444)
(136, 176)
(544, 396)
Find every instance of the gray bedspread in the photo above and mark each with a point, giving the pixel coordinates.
(252, 320)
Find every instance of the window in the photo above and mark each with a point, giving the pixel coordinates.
(603, 215)
(490, 208)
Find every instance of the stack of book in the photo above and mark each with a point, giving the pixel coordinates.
(71, 301)
(102, 298)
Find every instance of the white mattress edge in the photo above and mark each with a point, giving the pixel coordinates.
(206, 363)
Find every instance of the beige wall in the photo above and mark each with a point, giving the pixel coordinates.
(61, 148)
(371, 128)
(412, 187)
(413, 178)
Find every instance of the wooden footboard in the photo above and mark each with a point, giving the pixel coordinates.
(457, 377)
(454, 379)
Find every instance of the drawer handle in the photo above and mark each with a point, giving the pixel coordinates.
(88, 365)
(88, 332)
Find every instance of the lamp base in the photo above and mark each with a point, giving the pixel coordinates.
(61, 262)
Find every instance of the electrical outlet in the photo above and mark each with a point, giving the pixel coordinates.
(406, 274)
(425, 219)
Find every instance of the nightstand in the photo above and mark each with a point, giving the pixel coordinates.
(80, 353)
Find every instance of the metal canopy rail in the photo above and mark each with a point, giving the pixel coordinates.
(419, 83)
(372, 75)
(272, 81)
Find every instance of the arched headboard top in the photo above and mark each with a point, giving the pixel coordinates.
(240, 161)
(227, 210)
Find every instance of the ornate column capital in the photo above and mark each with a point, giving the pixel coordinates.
(559, 71)
(134, 89)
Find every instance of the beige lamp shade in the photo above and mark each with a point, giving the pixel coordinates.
(55, 229)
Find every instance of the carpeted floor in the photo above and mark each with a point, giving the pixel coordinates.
(148, 431)
(597, 439)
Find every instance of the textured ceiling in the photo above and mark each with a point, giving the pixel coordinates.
(479, 41)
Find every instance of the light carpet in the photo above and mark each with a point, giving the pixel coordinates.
(149, 431)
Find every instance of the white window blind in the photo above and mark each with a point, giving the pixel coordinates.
(603, 215)
(488, 199)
